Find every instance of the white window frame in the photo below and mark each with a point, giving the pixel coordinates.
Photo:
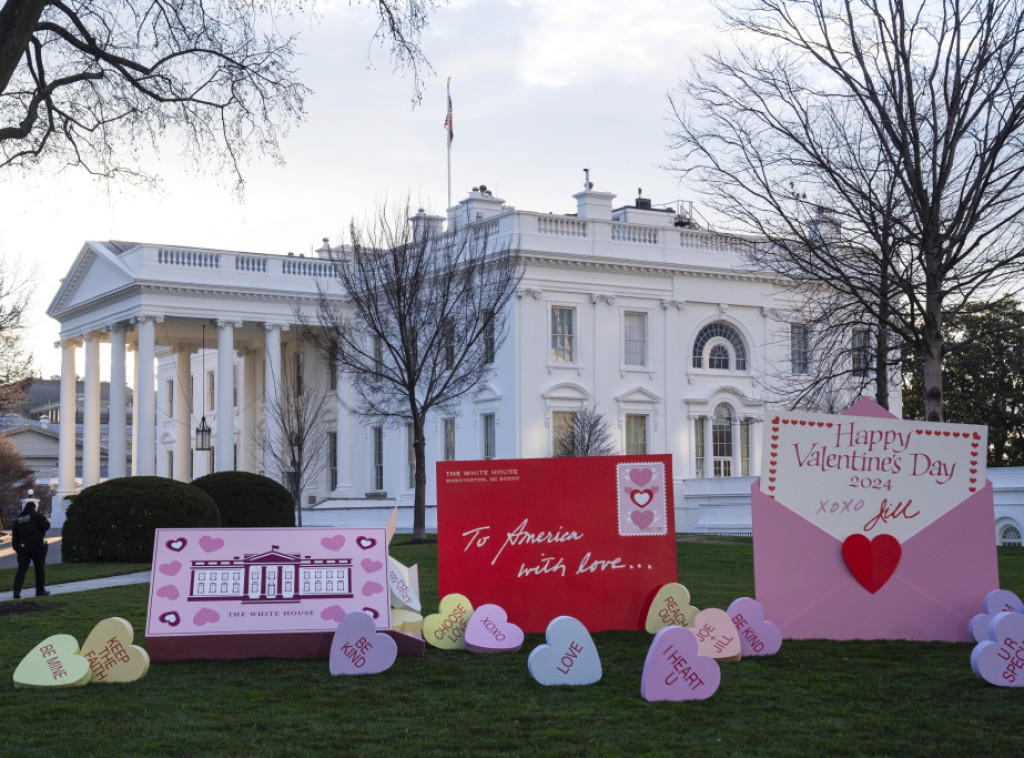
(628, 360)
(572, 337)
(489, 435)
(626, 442)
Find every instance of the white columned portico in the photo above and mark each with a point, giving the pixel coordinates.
(225, 453)
(182, 413)
(272, 444)
(66, 484)
(737, 444)
(247, 460)
(117, 442)
(145, 395)
(91, 412)
(709, 446)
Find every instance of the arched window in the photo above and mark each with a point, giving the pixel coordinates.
(719, 346)
(1010, 536)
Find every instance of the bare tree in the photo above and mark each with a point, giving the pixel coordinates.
(423, 319)
(296, 407)
(904, 119)
(584, 432)
(15, 358)
(90, 82)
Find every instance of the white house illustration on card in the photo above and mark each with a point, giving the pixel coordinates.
(271, 577)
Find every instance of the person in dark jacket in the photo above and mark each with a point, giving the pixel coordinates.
(29, 543)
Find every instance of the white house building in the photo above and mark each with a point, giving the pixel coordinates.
(662, 326)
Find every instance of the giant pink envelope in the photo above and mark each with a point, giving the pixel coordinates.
(807, 590)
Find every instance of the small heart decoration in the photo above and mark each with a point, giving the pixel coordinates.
(171, 618)
(446, 629)
(205, 616)
(717, 636)
(210, 544)
(642, 519)
(365, 543)
(674, 670)
(358, 648)
(372, 588)
(569, 657)
(111, 655)
(999, 660)
(169, 569)
(641, 498)
(168, 591)
(489, 631)
(872, 562)
(335, 543)
(670, 607)
(332, 613)
(640, 476)
(370, 566)
(177, 545)
(757, 636)
(54, 662)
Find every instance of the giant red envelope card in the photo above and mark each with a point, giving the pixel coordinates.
(592, 538)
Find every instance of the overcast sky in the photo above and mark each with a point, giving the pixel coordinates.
(540, 89)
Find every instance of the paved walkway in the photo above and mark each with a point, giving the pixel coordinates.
(9, 560)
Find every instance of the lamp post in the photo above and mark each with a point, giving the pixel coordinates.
(203, 431)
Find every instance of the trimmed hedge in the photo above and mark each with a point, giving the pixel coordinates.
(116, 520)
(246, 499)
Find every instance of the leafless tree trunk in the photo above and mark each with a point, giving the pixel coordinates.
(904, 120)
(423, 319)
(297, 406)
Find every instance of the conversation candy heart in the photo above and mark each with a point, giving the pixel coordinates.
(55, 662)
(111, 654)
(446, 629)
(670, 607)
(490, 631)
(757, 636)
(675, 671)
(358, 648)
(569, 657)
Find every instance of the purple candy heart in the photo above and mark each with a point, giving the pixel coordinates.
(357, 647)
(674, 670)
(757, 636)
(490, 631)
(999, 660)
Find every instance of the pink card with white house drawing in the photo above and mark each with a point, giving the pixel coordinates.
(227, 583)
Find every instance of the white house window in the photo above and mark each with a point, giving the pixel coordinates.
(378, 352)
(563, 332)
(449, 439)
(563, 428)
(299, 371)
(861, 351)
(721, 441)
(332, 460)
(635, 339)
(489, 435)
(489, 343)
(799, 349)
(377, 434)
(700, 455)
(211, 395)
(636, 434)
(719, 346)
(169, 385)
(1009, 536)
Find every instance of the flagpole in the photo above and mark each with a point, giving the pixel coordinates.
(448, 136)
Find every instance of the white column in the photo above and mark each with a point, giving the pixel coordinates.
(91, 412)
(135, 411)
(737, 459)
(247, 400)
(225, 442)
(183, 413)
(709, 451)
(117, 415)
(66, 484)
(272, 401)
(145, 385)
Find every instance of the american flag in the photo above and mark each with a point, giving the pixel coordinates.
(448, 121)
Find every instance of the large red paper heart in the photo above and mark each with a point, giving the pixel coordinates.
(872, 561)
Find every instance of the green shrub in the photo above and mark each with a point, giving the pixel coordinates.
(246, 499)
(116, 520)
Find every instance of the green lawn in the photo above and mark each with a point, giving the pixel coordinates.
(813, 698)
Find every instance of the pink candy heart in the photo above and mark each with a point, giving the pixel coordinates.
(489, 631)
(999, 660)
(716, 635)
(358, 648)
(757, 636)
(674, 670)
